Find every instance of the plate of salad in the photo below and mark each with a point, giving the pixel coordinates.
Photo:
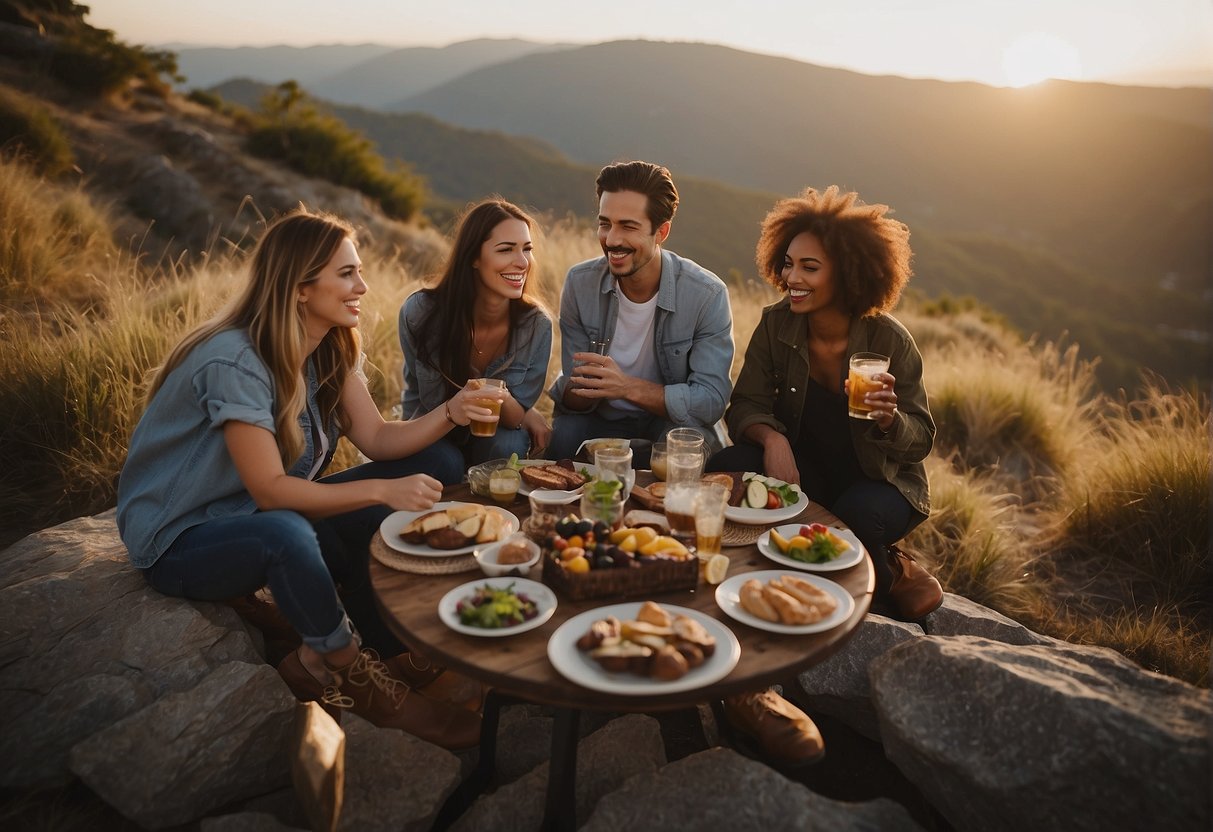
(497, 606)
(766, 500)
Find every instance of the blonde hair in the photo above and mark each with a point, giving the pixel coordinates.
(293, 251)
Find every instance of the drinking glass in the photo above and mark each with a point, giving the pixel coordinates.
(684, 439)
(863, 366)
(615, 464)
(657, 460)
(504, 484)
(710, 501)
(486, 428)
(680, 510)
(605, 507)
(683, 465)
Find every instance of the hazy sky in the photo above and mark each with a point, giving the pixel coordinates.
(994, 41)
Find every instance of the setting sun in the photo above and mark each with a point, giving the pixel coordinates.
(1038, 56)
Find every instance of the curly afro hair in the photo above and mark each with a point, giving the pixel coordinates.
(870, 252)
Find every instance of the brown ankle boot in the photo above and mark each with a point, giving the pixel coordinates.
(914, 593)
(784, 732)
(367, 687)
(414, 668)
(304, 685)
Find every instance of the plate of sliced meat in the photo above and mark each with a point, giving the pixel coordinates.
(564, 475)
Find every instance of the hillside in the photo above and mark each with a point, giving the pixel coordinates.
(205, 66)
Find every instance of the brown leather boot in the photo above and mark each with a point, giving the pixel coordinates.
(414, 668)
(784, 732)
(914, 593)
(304, 685)
(367, 687)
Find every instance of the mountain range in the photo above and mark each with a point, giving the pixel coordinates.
(1079, 208)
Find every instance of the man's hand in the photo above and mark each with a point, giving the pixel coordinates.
(597, 377)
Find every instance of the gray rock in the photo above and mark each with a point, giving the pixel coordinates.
(1006, 737)
(625, 747)
(84, 642)
(393, 781)
(245, 822)
(839, 685)
(190, 753)
(524, 740)
(159, 190)
(958, 616)
(720, 789)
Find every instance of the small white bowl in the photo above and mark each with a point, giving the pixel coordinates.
(487, 557)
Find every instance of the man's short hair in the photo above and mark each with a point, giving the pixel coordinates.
(654, 181)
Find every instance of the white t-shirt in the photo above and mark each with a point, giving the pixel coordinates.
(632, 346)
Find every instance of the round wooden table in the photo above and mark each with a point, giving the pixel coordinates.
(517, 666)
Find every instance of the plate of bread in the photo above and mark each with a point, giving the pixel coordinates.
(551, 476)
(783, 601)
(449, 528)
(643, 648)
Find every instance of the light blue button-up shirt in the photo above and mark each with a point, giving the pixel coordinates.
(692, 334)
(178, 472)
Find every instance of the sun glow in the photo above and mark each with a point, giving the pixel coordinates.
(1038, 56)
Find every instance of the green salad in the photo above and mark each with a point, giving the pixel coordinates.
(492, 609)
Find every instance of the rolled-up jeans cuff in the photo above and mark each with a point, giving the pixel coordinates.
(335, 640)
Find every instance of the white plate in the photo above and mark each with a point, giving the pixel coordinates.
(577, 666)
(525, 490)
(729, 600)
(395, 522)
(762, 516)
(545, 602)
(846, 560)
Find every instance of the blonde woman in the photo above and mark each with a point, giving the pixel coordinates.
(219, 495)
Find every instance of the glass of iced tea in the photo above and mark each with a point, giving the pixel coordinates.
(504, 484)
(657, 460)
(680, 510)
(486, 428)
(864, 365)
(710, 501)
(683, 466)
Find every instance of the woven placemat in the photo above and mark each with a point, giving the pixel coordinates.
(740, 534)
(420, 565)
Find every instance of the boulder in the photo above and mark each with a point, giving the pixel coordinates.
(958, 616)
(246, 822)
(393, 781)
(720, 789)
(160, 191)
(1011, 737)
(190, 753)
(84, 642)
(623, 748)
(839, 685)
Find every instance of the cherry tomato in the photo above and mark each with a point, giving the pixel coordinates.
(559, 543)
(773, 500)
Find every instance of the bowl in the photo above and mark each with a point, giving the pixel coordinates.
(489, 565)
(478, 476)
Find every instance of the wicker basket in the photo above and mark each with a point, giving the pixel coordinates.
(648, 578)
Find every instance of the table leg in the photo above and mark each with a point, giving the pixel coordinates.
(486, 766)
(560, 808)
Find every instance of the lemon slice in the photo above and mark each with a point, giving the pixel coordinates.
(717, 567)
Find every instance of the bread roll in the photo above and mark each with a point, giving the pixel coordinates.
(807, 593)
(753, 601)
(790, 610)
(650, 613)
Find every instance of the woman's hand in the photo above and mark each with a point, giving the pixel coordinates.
(538, 428)
(466, 405)
(777, 458)
(415, 493)
(883, 402)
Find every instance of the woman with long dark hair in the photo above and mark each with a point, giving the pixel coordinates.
(481, 320)
(219, 495)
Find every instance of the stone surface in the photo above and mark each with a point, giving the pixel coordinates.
(393, 781)
(719, 789)
(84, 642)
(245, 822)
(839, 685)
(958, 616)
(1009, 737)
(193, 752)
(623, 748)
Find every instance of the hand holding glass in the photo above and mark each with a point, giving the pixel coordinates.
(486, 428)
(864, 365)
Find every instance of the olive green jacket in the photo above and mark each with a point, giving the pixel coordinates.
(771, 388)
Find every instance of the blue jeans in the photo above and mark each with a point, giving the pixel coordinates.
(460, 448)
(569, 430)
(876, 511)
(302, 561)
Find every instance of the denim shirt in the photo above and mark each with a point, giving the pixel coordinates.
(178, 472)
(692, 334)
(524, 366)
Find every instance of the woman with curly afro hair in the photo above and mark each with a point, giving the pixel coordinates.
(841, 265)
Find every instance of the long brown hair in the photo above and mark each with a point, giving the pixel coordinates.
(444, 338)
(293, 251)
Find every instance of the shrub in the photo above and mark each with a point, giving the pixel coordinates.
(292, 130)
(28, 130)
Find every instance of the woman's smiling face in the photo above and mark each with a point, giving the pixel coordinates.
(808, 274)
(505, 259)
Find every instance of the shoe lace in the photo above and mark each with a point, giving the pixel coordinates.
(333, 696)
(368, 669)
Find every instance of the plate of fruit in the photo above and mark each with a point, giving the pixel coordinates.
(815, 547)
(582, 546)
(759, 499)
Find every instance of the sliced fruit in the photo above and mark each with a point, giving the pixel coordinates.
(779, 541)
(571, 552)
(799, 542)
(645, 534)
(756, 494)
(717, 567)
(629, 543)
(577, 565)
(621, 534)
(661, 543)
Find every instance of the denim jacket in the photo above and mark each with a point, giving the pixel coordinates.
(178, 473)
(771, 391)
(693, 333)
(524, 365)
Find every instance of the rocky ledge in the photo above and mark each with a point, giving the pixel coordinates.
(168, 711)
